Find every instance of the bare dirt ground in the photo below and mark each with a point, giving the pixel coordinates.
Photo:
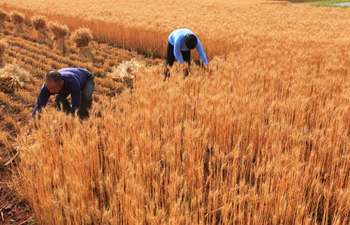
(13, 210)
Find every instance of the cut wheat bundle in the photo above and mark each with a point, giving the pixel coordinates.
(59, 32)
(82, 37)
(3, 16)
(8, 83)
(40, 24)
(17, 18)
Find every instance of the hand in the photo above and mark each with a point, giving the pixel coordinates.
(208, 69)
(185, 68)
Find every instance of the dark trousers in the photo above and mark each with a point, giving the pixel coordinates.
(170, 57)
(86, 99)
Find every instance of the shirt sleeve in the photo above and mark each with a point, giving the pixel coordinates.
(42, 99)
(201, 52)
(76, 99)
(177, 50)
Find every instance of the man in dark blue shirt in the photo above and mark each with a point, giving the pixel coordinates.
(77, 82)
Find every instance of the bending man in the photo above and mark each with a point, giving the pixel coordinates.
(180, 44)
(77, 82)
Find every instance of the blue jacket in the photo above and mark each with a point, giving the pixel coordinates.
(74, 81)
(177, 39)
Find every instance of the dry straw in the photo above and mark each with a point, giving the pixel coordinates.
(125, 72)
(9, 83)
(3, 46)
(40, 24)
(17, 18)
(82, 37)
(12, 77)
(22, 75)
(3, 15)
(59, 32)
(284, 3)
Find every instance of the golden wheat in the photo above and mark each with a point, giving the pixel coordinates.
(263, 140)
(59, 31)
(17, 18)
(222, 27)
(174, 152)
(82, 37)
(3, 46)
(40, 24)
(3, 16)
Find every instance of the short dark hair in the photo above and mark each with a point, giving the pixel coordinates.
(53, 76)
(191, 41)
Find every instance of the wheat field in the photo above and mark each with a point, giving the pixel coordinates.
(222, 26)
(264, 139)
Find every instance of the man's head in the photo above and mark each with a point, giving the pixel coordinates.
(54, 81)
(190, 41)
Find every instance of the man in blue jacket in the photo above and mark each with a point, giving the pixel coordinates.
(77, 82)
(180, 44)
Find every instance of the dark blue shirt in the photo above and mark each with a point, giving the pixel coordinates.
(74, 80)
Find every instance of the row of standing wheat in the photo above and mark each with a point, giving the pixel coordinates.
(260, 150)
(256, 143)
(262, 141)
